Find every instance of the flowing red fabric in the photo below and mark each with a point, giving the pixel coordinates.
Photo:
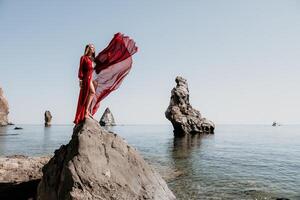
(85, 74)
(112, 65)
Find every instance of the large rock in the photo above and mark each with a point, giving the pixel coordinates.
(107, 118)
(184, 118)
(48, 118)
(20, 176)
(97, 164)
(4, 109)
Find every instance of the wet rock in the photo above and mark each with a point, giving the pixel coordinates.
(48, 118)
(18, 128)
(184, 118)
(4, 109)
(107, 118)
(20, 175)
(97, 164)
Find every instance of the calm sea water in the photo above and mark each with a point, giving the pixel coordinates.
(238, 162)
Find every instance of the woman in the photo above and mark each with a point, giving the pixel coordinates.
(87, 90)
(112, 66)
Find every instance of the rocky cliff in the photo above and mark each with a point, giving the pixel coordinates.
(4, 109)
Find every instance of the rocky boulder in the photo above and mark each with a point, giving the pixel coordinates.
(97, 164)
(107, 118)
(184, 118)
(20, 175)
(48, 118)
(4, 109)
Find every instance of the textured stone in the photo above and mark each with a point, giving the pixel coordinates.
(4, 109)
(184, 118)
(107, 118)
(97, 164)
(20, 175)
(48, 118)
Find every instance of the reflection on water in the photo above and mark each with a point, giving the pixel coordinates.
(237, 162)
(184, 146)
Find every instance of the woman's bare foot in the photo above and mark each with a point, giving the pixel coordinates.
(87, 114)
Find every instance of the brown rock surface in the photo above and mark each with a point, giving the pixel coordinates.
(107, 118)
(20, 175)
(97, 164)
(4, 109)
(48, 118)
(184, 118)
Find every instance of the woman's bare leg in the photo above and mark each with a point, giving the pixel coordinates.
(90, 98)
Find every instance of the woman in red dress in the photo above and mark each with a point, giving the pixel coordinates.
(112, 65)
(87, 90)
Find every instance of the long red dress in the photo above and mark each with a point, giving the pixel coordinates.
(112, 65)
(85, 74)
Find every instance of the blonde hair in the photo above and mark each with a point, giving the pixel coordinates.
(88, 49)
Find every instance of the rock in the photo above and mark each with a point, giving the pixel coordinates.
(48, 118)
(20, 175)
(18, 128)
(4, 109)
(107, 118)
(184, 118)
(207, 126)
(97, 164)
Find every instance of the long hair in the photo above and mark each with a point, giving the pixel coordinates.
(87, 51)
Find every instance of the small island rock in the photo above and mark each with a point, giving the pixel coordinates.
(48, 118)
(107, 118)
(184, 118)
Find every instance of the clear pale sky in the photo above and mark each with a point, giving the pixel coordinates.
(241, 58)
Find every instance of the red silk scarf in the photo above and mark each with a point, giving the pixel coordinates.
(112, 66)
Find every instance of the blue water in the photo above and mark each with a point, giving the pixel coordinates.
(238, 162)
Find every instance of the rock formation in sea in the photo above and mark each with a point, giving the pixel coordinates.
(20, 176)
(184, 118)
(97, 164)
(48, 118)
(4, 109)
(107, 118)
(18, 128)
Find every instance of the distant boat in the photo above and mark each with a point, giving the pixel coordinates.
(276, 124)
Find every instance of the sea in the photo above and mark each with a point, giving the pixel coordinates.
(237, 162)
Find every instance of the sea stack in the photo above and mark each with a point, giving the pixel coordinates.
(97, 164)
(48, 118)
(184, 118)
(4, 109)
(107, 118)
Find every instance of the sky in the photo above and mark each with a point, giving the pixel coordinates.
(240, 58)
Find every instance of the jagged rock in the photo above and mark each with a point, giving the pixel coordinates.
(20, 175)
(4, 109)
(184, 118)
(107, 118)
(97, 164)
(48, 118)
